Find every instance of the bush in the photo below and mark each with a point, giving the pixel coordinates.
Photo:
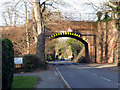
(43, 65)
(119, 63)
(82, 60)
(7, 63)
(31, 62)
(50, 57)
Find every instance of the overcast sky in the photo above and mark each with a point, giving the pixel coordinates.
(76, 6)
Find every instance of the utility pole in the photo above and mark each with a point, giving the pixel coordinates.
(27, 36)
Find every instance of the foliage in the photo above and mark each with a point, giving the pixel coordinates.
(99, 15)
(7, 63)
(49, 50)
(24, 81)
(115, 8)
(115, 11)
(31, 62)
(50, 47)
(43, 65)
(76, 45)
(62, 51)
(56, 57)
(81, 54)
(106, 18)
(119, 63)
(82, 60)
(50, 57)
(63, 48)
(112, 11)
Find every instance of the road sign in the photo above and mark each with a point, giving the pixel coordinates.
(70, 30)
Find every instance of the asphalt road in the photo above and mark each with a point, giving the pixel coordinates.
(82, 76)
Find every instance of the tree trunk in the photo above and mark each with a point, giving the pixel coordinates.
(37, 14)
(27, 36)
(10, 17)
(34, 27)
(15, 18)
(40, 51)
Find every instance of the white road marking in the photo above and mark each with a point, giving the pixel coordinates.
(55, 72)
(105, 79)
(117, 83)
(63, 78)
(94, 74)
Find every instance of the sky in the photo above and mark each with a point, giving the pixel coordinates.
(74, 6)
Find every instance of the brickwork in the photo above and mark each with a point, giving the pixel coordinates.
(102, 41)
(0, 63)
(107, 38)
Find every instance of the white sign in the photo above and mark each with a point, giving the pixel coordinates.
(18, 60)
(70, 30)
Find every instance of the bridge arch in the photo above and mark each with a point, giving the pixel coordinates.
(77, 36)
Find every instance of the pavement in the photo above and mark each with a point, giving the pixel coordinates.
(49, 79)
(112, 67)
(46, 79)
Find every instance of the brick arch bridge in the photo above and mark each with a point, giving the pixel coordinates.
(75, 35)
(102, 44)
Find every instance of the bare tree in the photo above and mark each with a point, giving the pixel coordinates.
(9, 12)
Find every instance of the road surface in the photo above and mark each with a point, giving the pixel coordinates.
(83, 76)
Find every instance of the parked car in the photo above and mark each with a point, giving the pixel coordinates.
(62, 58)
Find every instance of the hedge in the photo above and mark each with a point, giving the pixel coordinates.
(31, 62)
(7, 63)
(82, 60)
(119, 63)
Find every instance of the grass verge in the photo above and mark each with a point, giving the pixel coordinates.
(24, 81)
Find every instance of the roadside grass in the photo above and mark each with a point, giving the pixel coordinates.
(24, 81)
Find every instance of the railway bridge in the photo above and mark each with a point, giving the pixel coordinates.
(99, 38)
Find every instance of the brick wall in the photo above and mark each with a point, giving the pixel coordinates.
(0, 64)
(107, 38)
